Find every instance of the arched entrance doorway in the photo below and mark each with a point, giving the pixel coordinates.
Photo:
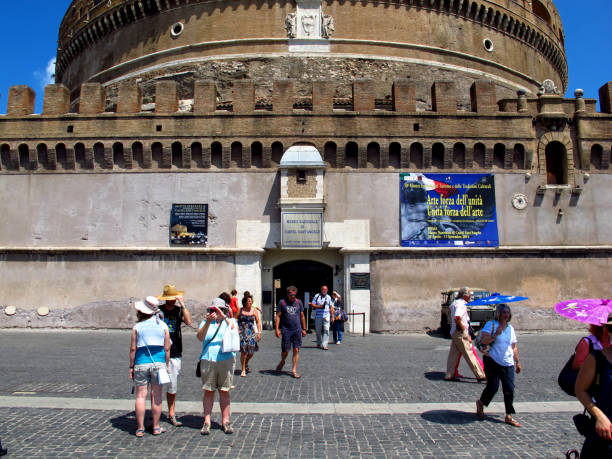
(307, 276)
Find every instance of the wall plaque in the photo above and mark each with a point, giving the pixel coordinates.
(189, 224)
(301, 230)
(360, 281)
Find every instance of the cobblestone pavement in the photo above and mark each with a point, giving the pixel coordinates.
(378, 369)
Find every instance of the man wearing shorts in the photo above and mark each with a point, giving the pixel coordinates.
(175, 314)
(290, 326)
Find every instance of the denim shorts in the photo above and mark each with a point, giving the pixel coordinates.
(291, 339)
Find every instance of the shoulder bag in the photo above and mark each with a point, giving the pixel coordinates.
(484, 348)
(567, 376)
(162, 372)
(198, 372)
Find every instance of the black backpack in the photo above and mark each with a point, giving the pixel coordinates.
(567, 377)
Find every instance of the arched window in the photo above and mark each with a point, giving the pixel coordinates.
(177, 155)
(98, 154)
(41, 154)
(351, 155)
(24, 156)
(395, 155)
(479, 155)
(518, 158)
(373, 156)
(597, 157)
(138, 154)
(79, 156)
(216, 155)
(156, 155)
(329, 154)
(277, 153)
(236, 155)
(118, 155)
(437, 156)
(556, 167)
(197, 155)
(256, 155)
(459, 156)
(416, 156)
(499, 155)
(61, 156)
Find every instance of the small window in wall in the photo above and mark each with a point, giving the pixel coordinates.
(256, 155)
(416, 156)
(216, 155)
(540, 11)
(556, 167)
(277, 153)
(395, 155)
(499, 155)
(597, 157)
(301, 176)
(518, 159)
(458, 156)
(437, 156)
(329, 154)
(351, 156)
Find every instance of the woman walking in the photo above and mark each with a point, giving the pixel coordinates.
(149, 351)
(339, 314)
(500, 363)
(216, 366)
(249, 326)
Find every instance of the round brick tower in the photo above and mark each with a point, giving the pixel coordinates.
(515, 43)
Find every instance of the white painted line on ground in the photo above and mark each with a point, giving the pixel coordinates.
(292, 408)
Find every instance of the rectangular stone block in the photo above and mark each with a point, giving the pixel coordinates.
(605, 98)
(282, 96)
(204, 97)
(166, 97)
(482, 96)
(404, 96)
(243, 95)
(92, 99)
(363, 95)
(323, 96)
(129, 99)
(444, 97)
(56, 100)
(21, 100)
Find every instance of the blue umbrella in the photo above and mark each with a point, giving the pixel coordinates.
(497, 298)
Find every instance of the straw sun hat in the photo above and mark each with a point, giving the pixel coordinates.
(170, 293)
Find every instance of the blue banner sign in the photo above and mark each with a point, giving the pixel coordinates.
(448, 210)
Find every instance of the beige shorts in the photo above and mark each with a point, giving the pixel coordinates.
(146, 373)
(217, 375)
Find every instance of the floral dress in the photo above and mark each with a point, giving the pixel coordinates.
(248, 337)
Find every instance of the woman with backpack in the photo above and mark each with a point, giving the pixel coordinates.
(597, 400)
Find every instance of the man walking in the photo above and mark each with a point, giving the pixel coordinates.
(324, 315)
(290, 326)
(461, 343)
(174, 316)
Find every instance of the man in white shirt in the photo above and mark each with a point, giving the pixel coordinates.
(324, 314)
(461, 342)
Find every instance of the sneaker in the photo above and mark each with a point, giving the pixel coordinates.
(172, 420)
(227, 428)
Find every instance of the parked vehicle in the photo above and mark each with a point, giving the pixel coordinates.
(479, 315)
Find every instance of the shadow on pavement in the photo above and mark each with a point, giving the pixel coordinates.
(127, 422)
(450, 417)
(437, 333)
(439, 376)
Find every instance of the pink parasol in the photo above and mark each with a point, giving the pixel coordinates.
(587, 310)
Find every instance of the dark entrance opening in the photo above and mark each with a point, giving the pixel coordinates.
(307, 276)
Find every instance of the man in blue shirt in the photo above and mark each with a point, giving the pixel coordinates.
(324, 315)
(290, 324)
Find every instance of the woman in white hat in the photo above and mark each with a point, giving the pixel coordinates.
(149, 351)
(216, 366)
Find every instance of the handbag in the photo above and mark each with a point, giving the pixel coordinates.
(343, 316)
(198, 372)
(231, 339)
(484, 348)
(567, 377)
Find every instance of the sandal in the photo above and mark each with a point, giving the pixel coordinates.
(295, 375)
(158, 430)
(248, 370)
(513, 422)
(480, 410)
(243, 374)
(172, 420)
(140, 433)
(280, 366)
(205, 430)
(227, 428)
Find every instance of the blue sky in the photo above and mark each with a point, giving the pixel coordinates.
(29, 43)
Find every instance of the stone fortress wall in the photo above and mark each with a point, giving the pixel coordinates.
(516, 44)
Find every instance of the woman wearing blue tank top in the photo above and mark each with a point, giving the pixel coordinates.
(149, 351)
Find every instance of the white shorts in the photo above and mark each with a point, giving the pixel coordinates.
(174, 370)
